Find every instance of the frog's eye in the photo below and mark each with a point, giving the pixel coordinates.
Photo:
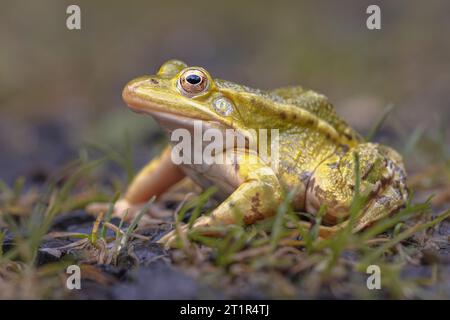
(192, 82)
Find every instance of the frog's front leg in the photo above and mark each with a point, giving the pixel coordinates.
(383, 180)
(153, 180)
(256, 196)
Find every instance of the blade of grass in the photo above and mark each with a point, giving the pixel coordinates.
(282, 211)
(402, 236)
(18, 187)
(109, 214)
(80, 172)
(136, 220)
(200, 203)
(4, 188)
(413, 140)
(385, 224)
(380, 122)
(93, 236)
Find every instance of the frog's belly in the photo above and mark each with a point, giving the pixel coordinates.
(210, 176)
(206, 177)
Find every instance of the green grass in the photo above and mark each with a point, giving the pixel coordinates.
(29, 222)
(280, 255)
(253, 248)
(325, 256)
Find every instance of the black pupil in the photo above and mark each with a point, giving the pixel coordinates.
(193, 79)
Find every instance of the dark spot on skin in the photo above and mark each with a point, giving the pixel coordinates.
(283, 115)
(348, 136)
(258, 215)
(383, 200)
(255, 199)
(320, 193)
(340, 152)
(312, 183)
(345, 148)
(305, 176)
(366, 170)
(309, 122)
(289, 169)
(154, 81)
(333, 165)
(235, 162)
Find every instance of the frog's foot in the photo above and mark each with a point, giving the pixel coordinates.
(382, 179)
(123, 209)
(324, 231)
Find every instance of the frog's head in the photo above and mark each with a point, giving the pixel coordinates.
(179, 94)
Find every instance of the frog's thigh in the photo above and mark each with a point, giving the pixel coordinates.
(154, 179)
(256, 196)
(393, 193)
(332, 184)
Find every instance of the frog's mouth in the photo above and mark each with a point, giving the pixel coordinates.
(172, 115)
(171, 122)
(159, 106)
(167, 118)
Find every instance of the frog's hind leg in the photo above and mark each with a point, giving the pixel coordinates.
(392, 195)
(332, 184)
(388, 202)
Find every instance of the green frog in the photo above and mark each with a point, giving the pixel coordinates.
(316, 150)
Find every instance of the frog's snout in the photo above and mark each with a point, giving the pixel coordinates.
(141, 82)
(138, 92)
(132, 87)
(129, 93)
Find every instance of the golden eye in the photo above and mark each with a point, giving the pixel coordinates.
(192, 82)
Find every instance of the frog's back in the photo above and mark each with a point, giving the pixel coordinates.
(303, 150)
(318, 105)
(309, 108)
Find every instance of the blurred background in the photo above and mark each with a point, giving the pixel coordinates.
(60, 89)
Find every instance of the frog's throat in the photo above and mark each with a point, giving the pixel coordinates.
(155, 103)
(171, 121)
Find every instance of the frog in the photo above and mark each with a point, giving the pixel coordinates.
(317, 153)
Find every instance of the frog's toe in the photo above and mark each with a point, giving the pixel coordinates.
(122, 209)
(126, 211)
(168, 241)
(97, 207)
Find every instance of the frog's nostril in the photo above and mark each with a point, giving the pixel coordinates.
(130, 89)
(154, 81)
